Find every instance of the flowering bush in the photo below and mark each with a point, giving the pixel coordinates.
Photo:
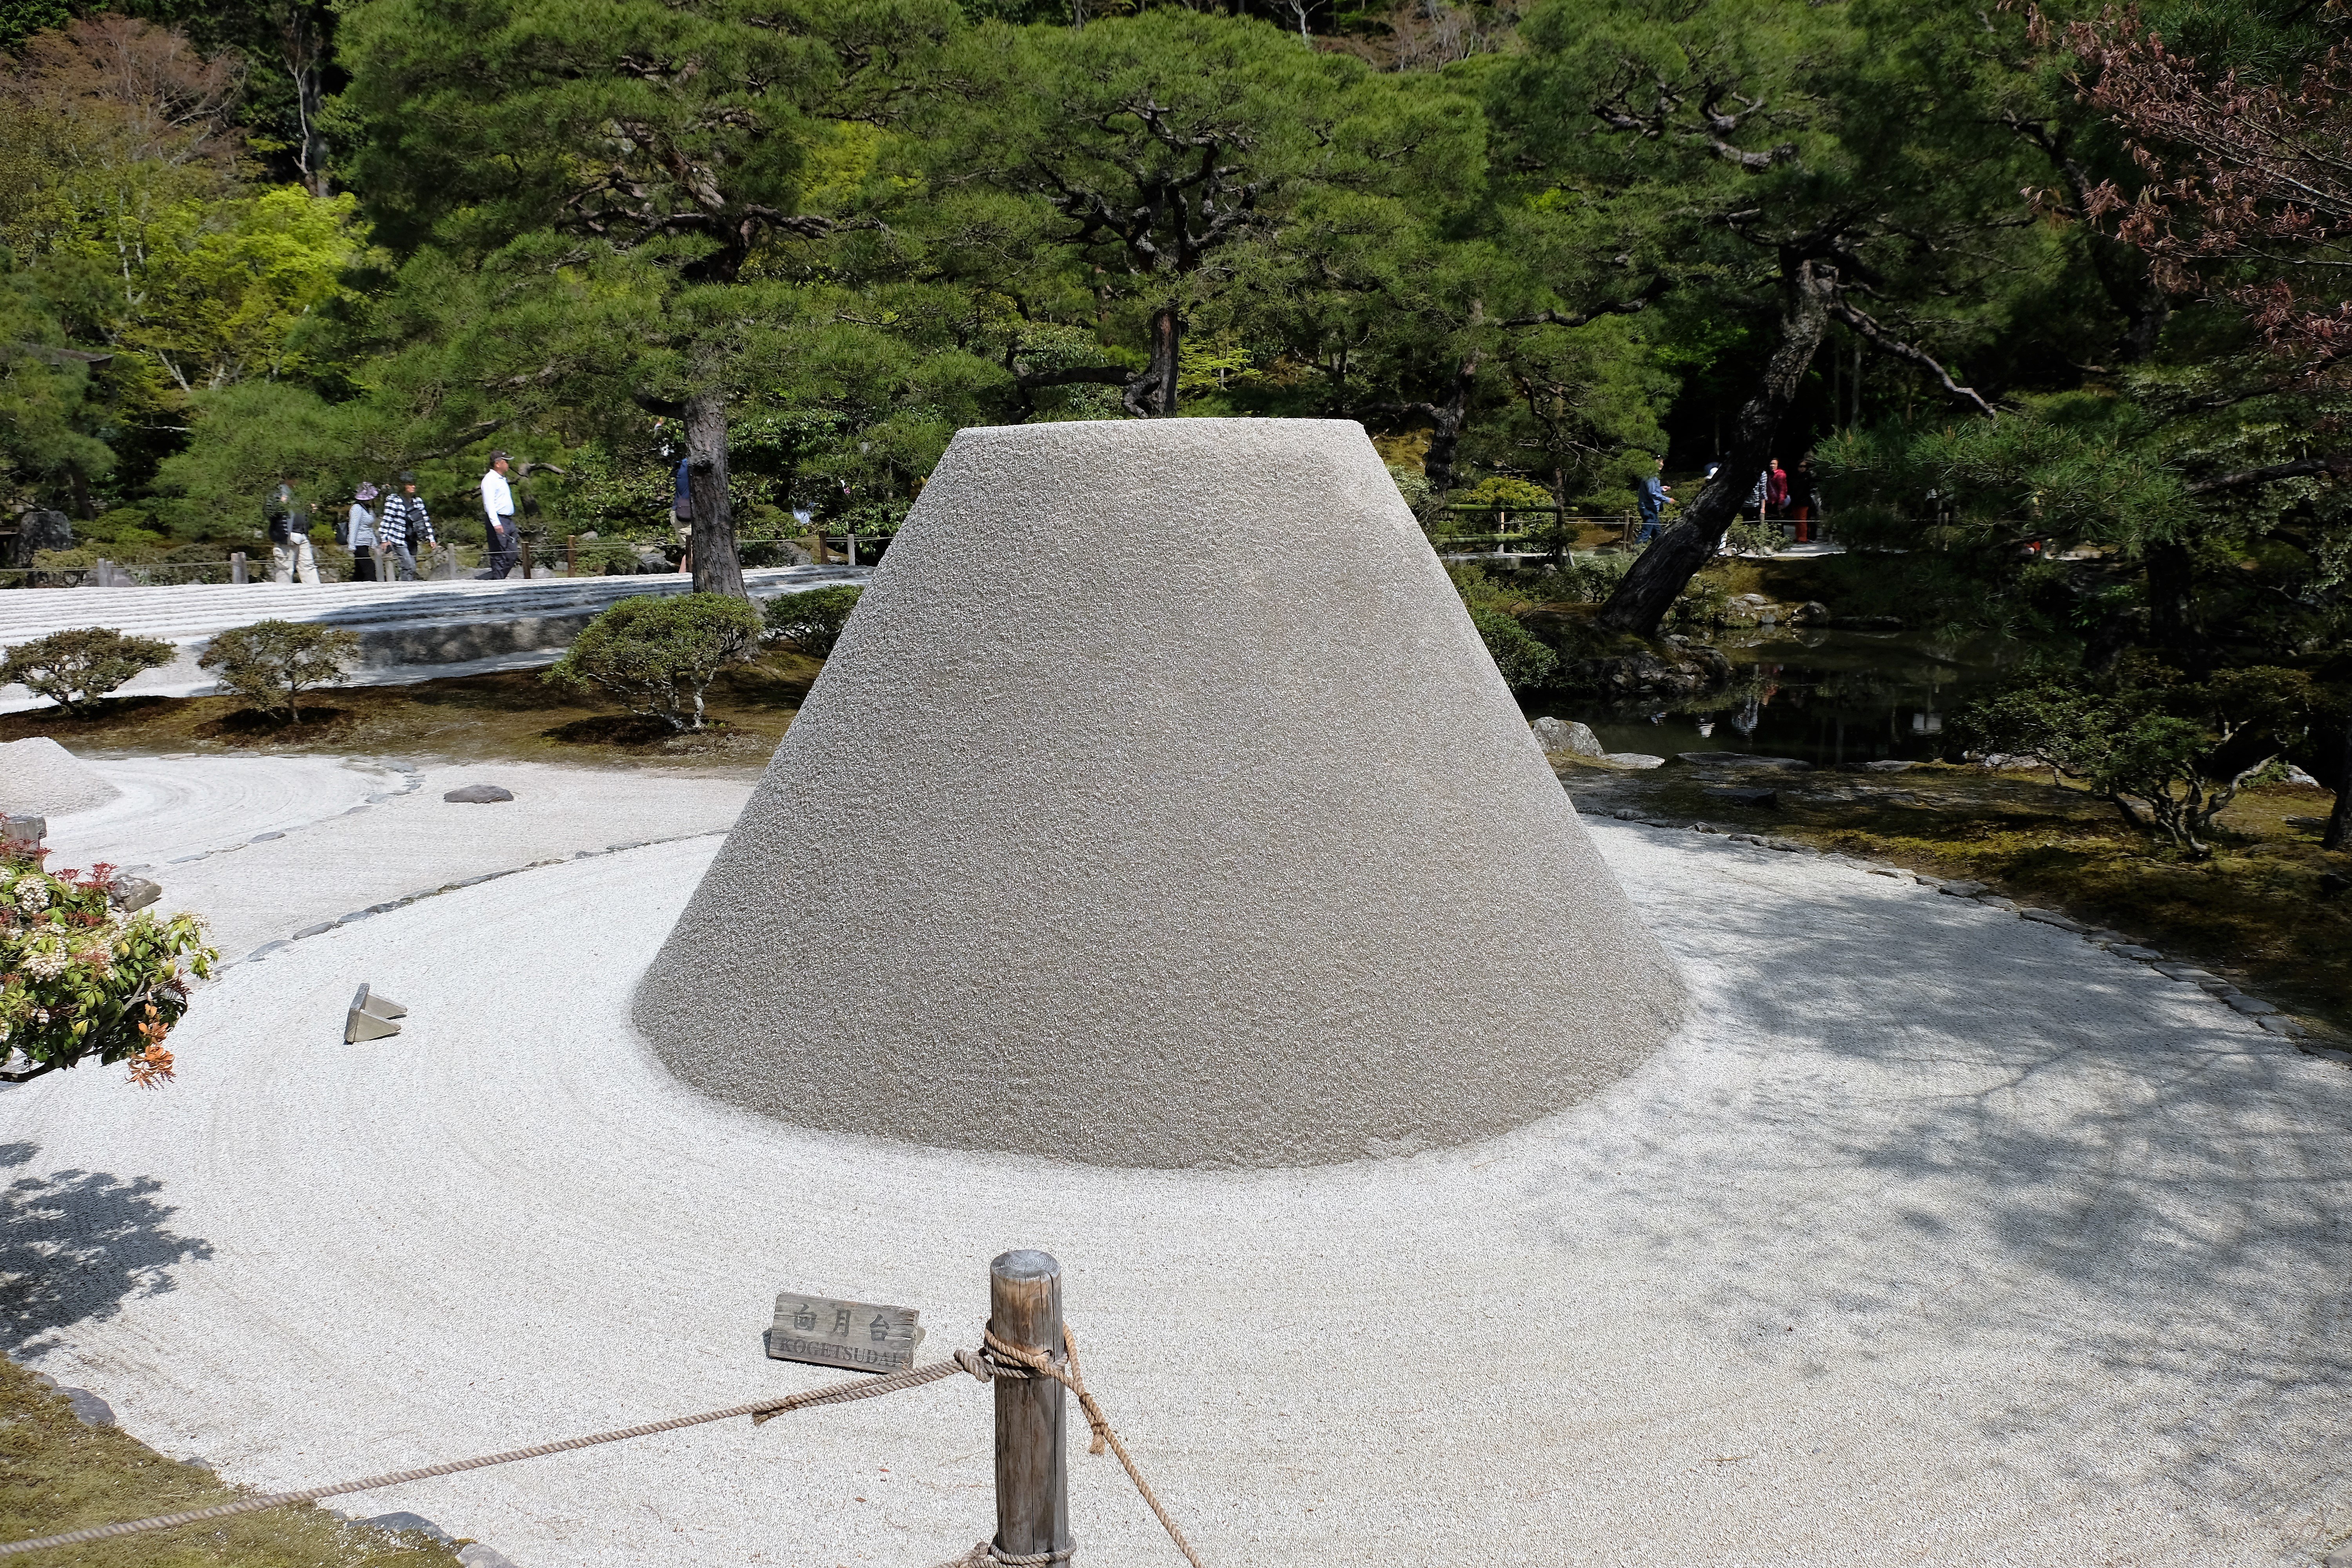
(81, 980)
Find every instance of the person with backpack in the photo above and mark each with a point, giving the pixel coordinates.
(403, 528)
(359, 532)
(289, 540)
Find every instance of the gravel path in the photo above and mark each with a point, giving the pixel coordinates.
(266, 847)
(1943, 1238)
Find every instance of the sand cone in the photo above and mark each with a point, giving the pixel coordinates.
(1160, 806)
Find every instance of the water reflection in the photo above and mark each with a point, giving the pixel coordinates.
(1827, 696)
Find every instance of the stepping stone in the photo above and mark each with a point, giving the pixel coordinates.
(1633, 760)
(1748, 838)
(478, 794)
(2252, 1006)
(1760, 797)
(2144, 954)
(264, 838)
(2278, 1024)
(2182, 972)
(1626, 813)
(2052, 918)
(1742, 759)
(1995, 902)
(1960, 890)
(1789, 847)
(2216, 986)
(320, 929)
(1888, 766)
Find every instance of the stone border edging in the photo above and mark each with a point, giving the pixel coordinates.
(413, 776)
(2261, 1012)
(324, 927)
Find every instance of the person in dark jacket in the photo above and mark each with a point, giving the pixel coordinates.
(1804, 499)
(289, 537)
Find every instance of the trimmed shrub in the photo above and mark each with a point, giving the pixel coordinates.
(81, 981)
(813, 622)
(271, 663)
(76, 669)
(1518, 653)
(655, 655)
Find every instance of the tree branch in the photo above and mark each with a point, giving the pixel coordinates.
(2335, 464)
(1887, 343)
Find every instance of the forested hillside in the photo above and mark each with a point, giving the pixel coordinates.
(2026, 283)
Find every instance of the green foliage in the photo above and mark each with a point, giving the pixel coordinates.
(271, 663)
(2170, 754)
(74, 668)
(658, 655)
(813, 622)
(80, 981)
(1760, 536)
(1521, 657)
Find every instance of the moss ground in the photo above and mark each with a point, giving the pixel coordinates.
(511, 716)
(57, 1475)
(2255, 912)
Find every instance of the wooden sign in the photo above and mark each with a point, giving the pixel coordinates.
(859, 1334)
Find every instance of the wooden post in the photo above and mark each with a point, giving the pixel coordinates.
(571, 555)
(525, 541)
(1033, 1492)
(236, 572)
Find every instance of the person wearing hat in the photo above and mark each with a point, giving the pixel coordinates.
(499, 508)
(403, 527)
(290, 539)
(360, 534)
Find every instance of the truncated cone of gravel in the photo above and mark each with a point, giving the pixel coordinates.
(1159, 805)
(40, 778)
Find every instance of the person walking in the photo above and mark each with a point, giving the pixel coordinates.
(360, 536)
(499, 508)
(1650, 497)
(1804, 499)
(289, 540)
(681, 513)
(1776, 488)
(403, 527)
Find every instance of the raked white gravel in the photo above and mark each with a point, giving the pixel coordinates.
(1941, 1237)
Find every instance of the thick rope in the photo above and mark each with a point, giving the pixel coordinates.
(759, 1410)
(1039, 1364)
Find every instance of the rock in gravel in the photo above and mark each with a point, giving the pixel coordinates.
(478, 794)
(1565, 735)
(2279, 1024)
(2252, 1006)
(1634, 760)
(1995, 902)
(1742, 759)
(129, 892)
(1757, 797)
(1962, 890)
(1626, 813)
(2182, 972)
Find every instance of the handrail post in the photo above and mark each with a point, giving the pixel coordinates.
(1033, 1492)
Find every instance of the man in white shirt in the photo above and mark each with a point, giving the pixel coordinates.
(497, 507)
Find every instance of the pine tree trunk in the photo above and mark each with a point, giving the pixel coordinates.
(1153, 394)
(1446, 420)
(2172, 597)
(2339, 834)
(717, 567)
(1662, 572)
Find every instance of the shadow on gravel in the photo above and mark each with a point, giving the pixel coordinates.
(1967, 1134)
(75, 1244)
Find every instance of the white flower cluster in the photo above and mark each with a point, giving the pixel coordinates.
(32, 893)
(47, 961)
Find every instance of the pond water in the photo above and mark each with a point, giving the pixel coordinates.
(1826, 696)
